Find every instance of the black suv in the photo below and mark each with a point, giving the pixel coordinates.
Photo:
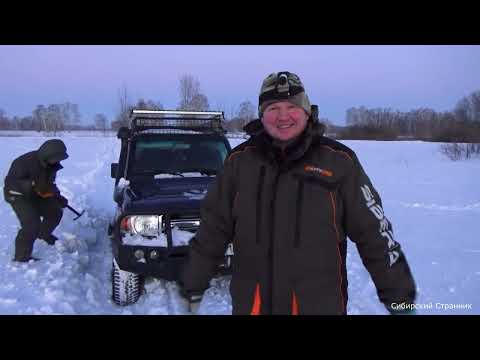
(167, 160)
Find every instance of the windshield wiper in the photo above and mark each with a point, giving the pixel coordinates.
(170, 173)
(208, 172)
(160, 172)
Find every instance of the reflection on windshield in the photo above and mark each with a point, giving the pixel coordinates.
(155, 156)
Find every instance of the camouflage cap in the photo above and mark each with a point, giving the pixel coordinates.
(283, 86)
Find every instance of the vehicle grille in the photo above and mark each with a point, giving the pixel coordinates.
(185, 223)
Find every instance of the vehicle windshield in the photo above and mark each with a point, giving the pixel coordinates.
(177, 154)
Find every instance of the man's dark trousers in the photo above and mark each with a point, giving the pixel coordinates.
(32, 227)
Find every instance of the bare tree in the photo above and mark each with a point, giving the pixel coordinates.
(462, 110)
(189, 87)
(352, 117)
(70, 115)
(74, 116)
(55, 120)
(246, 111)
(475, 105)
(325, 121)
(148, 105)
(52, 118)
(124, 108)
(199, 103)
(24, 123)
(4, 121)
(191, 97)
(101, 122)
(39, 118)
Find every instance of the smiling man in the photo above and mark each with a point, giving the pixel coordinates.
(287, 199)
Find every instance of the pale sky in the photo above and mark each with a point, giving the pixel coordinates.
(336, 77)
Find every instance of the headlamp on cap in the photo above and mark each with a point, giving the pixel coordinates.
(283, 86)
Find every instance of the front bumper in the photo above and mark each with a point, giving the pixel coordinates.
(167, 265)
(171, 256)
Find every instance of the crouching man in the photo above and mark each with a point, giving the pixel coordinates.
(31, 191)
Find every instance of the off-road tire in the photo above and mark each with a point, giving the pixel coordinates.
(126, 286)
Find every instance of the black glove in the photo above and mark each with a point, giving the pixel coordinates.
(63, 201)
(44, 190)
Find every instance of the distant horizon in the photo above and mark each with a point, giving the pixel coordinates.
(336, 78)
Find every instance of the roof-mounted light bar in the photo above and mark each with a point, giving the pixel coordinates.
(176, 119)
(177, 112)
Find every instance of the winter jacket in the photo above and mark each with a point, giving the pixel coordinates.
(31, 172)
(288, 214)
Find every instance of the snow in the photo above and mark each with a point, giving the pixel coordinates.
(433, 203)
(195, 194)
(133, 239)
(179, 238)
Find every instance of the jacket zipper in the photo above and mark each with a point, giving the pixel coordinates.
(259, 205)
(271, 247)
(298, 216)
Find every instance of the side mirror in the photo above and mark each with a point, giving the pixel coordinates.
(113, 170)
(123, 133)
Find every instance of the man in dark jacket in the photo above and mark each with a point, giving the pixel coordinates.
(287, 199)
(31, 191)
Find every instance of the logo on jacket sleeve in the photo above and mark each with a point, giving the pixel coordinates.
(385, 228)
(317, 170)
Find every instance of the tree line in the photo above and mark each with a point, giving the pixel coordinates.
(51, 118)
(462, 124)
(61, 117)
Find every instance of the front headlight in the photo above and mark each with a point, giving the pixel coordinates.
(145, 225)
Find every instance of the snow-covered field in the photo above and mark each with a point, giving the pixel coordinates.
(433, 203)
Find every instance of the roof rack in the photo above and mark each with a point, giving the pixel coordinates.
(177, 119)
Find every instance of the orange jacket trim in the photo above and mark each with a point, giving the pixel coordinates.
(257, 301)
(240, 151)
(294, 304)
(332, 198)
(339, 151)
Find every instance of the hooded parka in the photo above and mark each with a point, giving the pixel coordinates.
(33, 170)
(30, 174)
